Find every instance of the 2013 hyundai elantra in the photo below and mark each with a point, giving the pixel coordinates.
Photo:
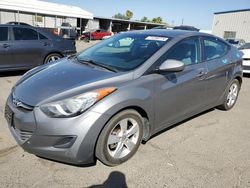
(104, 101)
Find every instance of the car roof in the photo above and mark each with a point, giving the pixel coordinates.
(16, 25)
(39, 29)
(170, 33)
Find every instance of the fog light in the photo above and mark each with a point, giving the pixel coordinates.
(65, 142)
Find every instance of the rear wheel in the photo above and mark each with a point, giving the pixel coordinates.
(120, 138)
(231, 95)
(52, 57)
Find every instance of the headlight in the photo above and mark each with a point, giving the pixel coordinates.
(75, 105)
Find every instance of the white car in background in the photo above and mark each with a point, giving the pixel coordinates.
(246, 57)
(236, 42)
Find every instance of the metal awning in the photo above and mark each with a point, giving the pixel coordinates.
(42, 7)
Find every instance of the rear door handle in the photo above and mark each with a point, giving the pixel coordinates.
(46, 44)
(6, 45)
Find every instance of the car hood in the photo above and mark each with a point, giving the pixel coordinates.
(46, 81)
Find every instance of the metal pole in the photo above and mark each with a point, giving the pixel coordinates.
(18, 16)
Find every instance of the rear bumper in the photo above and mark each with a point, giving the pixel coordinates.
(69, 140)
(69, 52)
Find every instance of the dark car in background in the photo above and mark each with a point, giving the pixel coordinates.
(25, 47)
(186, 27)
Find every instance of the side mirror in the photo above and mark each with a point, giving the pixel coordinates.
(171, 65)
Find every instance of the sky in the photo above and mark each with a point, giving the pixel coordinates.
(197, 13)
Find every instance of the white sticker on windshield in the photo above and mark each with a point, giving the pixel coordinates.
(156, 38)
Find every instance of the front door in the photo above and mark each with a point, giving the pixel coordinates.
(180, 94)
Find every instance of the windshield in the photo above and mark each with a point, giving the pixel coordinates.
(123, 52)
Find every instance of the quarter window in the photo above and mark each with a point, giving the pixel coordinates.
(3, 33)
(25, 34)
(42, 37)
(214, 48)
(187, 51)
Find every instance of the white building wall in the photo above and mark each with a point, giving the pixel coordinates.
(48, 21)
(93, 24)
(238, 22)
(7, 17)
(26, 18)
(72, 21)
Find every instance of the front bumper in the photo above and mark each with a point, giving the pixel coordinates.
(246, 65)
(70, 140)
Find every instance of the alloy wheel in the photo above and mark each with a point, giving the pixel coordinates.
(232, 94)
(123, 138)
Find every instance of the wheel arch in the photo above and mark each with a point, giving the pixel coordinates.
(53, 52)
(239, 78)
(144, 115)
(146, 120)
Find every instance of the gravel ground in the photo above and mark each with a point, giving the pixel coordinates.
(209, 150)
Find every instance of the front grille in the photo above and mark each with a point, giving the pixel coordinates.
(8, 114)
(23, 135)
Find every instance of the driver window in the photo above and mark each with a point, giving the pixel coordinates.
(187, 51)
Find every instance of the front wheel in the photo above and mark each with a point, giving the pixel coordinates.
(231, 95)
(120, 138)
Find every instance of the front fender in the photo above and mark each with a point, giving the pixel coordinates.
(124, 98)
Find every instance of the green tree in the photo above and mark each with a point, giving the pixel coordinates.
(129, 14)
(157, 20)
(119, 16)
(145, 19)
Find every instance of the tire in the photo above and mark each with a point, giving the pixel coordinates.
(230, 96)
(116, 144)
(52, 56)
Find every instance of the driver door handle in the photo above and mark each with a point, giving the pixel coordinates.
(201, 74)
(6, 45)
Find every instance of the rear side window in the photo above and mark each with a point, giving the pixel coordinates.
(25, 34)
(3, 33)
(42, 37)
(214, 48)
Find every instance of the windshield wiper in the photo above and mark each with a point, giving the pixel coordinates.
(95, 63)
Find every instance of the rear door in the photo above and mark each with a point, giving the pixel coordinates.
(27, 49)
(220, 67)
(6, 60)
(180, 94)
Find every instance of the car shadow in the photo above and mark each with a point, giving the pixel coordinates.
(115, 179)
(70, 164)
(177, 124)
(12, 73)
